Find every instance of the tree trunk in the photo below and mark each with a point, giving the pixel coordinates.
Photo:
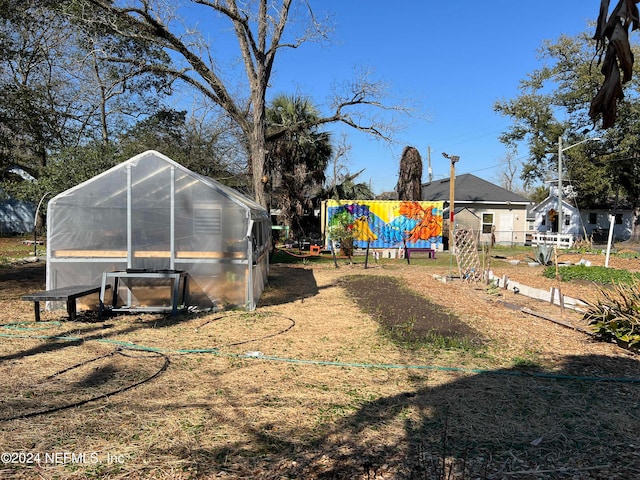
(635, 226)
(410, 176)
(257, 151)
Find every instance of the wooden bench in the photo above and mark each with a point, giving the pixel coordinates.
(407, 252)
(68, 294)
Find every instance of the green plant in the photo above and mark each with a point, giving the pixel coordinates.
(542, 254)
(629, 255)
(596, 274)
(525, 362)
(492, 288)
(615, 316)
(341, 230)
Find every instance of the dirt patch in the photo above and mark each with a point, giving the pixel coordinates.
(405, 315)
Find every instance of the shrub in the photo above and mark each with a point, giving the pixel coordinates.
(582, 246)
(615, 316)
(341, 230)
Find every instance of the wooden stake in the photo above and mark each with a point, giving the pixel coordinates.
(561, 301)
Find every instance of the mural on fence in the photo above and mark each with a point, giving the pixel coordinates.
(389, 224)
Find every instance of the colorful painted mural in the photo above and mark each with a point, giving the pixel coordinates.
(388, 223)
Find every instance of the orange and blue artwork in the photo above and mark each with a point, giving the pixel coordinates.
(388, 223)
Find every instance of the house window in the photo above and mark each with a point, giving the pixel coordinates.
(487, 222)
(567, 219)
(544, 220)
(593, 218)
(618, 219)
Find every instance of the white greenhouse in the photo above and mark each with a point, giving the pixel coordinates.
(151, 214)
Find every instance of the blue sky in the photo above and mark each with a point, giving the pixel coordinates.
(453, 59)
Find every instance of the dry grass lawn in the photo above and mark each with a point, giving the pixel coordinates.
(307, 387)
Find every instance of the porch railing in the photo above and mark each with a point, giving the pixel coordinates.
(561, 241)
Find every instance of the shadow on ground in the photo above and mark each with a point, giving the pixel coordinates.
(288, 284)
(581, 421)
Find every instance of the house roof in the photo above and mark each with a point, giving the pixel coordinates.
(551, 202)
(470, 189)
(457, 211)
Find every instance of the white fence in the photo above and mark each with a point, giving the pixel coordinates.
(526, 238)
(560, 241)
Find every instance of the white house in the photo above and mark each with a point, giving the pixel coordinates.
(597, 221)
(589, 223)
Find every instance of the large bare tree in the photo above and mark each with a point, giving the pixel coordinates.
(260, 29)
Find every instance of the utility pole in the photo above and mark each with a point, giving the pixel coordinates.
(430, 171)
(560, 218)
(452, 197)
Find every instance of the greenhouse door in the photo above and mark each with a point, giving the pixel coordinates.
(150, 216)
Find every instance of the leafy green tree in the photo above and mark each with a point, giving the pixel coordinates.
(297, 159)
(168, 131)
(33, 107)
(206, 147)
(340, 230)
(59, 92)
(553, 102)
(539, 194)
(64, 170)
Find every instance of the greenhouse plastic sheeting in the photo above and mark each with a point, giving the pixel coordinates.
(151, 213)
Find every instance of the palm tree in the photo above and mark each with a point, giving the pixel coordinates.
(347, 189)
(297, 159)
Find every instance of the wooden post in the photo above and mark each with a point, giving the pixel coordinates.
(366, 258)
(561, 302)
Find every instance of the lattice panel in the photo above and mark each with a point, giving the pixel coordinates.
(467, 255)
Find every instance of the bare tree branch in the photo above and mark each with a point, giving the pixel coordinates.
(259, 27)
